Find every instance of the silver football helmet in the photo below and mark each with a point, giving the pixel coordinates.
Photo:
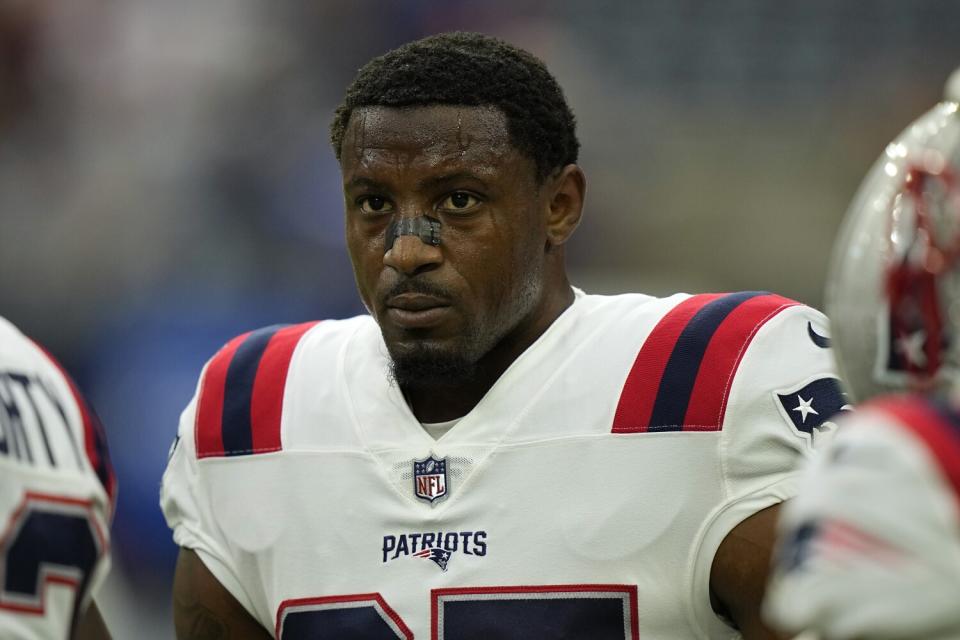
(893, 295)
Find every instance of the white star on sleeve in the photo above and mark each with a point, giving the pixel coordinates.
(805, 408)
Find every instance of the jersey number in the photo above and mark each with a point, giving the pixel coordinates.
(575, 612)
(49, 539)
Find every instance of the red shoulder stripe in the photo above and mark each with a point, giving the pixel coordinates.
(643, 383)
(266, 403)
(708, 400)
(208, 431)
(936, 427)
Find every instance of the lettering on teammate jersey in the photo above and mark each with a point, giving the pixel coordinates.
(681, 377)
(430, 478)
(35, 429)
(436, 546)
(813, 405)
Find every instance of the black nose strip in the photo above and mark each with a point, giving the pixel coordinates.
(423, 226)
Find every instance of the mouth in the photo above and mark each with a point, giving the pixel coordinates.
(417, 310)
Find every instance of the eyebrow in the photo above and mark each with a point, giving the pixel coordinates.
(365, 183)
(427, 183)
(439, 181)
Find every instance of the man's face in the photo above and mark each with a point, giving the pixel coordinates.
(442, 308)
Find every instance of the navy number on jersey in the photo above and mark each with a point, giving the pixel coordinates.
(49, 539)
(355, 617)
(575, 612)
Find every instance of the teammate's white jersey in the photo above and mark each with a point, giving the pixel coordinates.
(871, 546)
(584, 497)
(56, 494)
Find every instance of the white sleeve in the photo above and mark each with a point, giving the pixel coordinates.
(187, 506)
(871, 546)
(54, 461)
(781, 402)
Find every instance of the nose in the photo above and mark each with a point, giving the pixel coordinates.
(410, 255)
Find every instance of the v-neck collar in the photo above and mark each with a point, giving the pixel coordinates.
(384, 421)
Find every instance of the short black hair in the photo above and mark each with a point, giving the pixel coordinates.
(471, 69)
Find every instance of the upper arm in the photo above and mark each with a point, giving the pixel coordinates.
(764, 441)
(203, 609)
(90, 625)
(739, 573)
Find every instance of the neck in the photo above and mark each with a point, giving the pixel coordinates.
(433, 404)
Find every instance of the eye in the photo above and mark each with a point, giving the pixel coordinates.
(374, 205)
(459, 202)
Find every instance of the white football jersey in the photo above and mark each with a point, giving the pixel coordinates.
(584, 497)
(56, 494)
(870, 548)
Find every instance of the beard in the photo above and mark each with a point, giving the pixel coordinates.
(430, 366)
(418, 364)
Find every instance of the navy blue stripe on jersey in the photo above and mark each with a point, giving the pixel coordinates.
(680, 374)
(236, 423)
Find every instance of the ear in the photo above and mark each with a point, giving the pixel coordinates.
(565, 205)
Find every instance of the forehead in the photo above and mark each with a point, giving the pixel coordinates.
(426, 137)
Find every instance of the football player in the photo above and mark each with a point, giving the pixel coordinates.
(57, 492)
(490, 452)
(871, 546)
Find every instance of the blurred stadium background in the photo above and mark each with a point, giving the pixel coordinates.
(166, 181)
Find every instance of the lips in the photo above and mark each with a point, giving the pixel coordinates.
(417, 310)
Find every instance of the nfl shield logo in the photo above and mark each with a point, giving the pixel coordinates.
(430, 478)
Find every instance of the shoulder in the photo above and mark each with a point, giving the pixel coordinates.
(34, 383)
(19, 351)
(693, 348)
(242, 388)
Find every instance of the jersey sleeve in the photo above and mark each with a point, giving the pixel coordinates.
(871, 545)
(779, 406)
(233, 419)
(187, 504)
(57, 492)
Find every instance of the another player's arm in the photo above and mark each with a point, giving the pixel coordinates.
(203, 609)
(739, 573)
(91, 626)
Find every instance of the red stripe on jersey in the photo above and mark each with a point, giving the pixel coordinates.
(94, 440)
(924, 421)
(708, 400)
(207, 430)
(640, 390)
(92, 432)
(266, 403)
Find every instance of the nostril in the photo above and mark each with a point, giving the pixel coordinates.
(409, 255)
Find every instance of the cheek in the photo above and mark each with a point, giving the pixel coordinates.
(366, 255)
(507, 263)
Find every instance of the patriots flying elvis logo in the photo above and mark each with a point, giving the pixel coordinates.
(812, 405)
(439, 556)
(435, 546)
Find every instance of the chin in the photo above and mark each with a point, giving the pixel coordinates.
(423, 364)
